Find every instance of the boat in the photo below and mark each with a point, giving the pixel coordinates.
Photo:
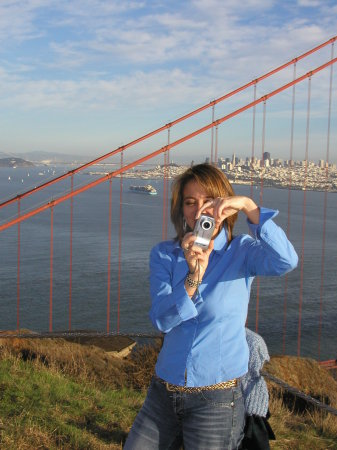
(147, 189)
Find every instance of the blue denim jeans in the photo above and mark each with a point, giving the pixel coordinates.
(207, 420)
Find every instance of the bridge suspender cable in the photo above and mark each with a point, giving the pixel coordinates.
(163, 149)
(289, 208)
(325, 208)
(304, 218)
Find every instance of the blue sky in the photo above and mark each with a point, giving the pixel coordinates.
(85, 76)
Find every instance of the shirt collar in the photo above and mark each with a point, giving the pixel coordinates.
(220, 242)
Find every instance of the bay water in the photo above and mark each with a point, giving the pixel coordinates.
(277, 299)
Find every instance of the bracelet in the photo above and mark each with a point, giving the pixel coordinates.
(192, 283)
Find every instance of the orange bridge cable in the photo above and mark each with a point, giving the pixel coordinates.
(165, 190)
(151, 155)
(164, 196)
(167, 195)
(289, 208)
(51, 270)
(212, 136)
(216, 143)
(174, 122)
(109, 258)
(304, 217)
(71, 252)
(325, 207)
(253, 144)
(168, 180)
(321, 291)
(261, 202)
(18, 274)
(263, 148)
(120, 244)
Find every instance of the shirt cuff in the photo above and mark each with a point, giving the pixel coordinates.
(185, 305)
(265, 215)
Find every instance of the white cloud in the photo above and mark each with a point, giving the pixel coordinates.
(139, 89)
(95, 55)
(309, 3)
(17, 20)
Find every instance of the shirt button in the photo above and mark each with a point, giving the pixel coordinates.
(232, 403)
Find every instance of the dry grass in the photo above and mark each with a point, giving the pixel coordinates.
(299, 425)
(306, 375)
(89, 363)
(296, 425)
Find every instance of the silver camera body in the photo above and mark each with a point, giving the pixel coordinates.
(203, 230)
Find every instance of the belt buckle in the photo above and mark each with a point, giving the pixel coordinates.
(169, 387)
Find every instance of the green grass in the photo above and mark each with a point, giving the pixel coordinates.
(60, 395)
(40, 408)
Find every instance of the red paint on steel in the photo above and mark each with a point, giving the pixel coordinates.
(212, 136)
(109, 259)
(180, 119)
(325, 210)
(253, 145)
(120, 246)
(303, 220)
(330, 364)
(261, 202)
(163, 149)
(51, 269)
(284, 328)
(71, 252)
(164, 198)
(18, 274)
(216, 144)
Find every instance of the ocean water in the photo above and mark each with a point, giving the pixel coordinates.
(313, 283)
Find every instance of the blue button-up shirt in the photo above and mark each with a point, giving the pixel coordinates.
(205, 341)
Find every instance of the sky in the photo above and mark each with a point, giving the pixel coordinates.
(86, 76)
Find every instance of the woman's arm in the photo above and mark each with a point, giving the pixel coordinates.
(171, 305)
(270, 253)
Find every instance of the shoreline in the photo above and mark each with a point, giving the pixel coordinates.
(265, 184)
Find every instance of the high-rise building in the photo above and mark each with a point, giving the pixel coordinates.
(266, 156)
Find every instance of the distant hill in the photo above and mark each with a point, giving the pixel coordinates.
(42, 157)
(15, 162)
(54, 158)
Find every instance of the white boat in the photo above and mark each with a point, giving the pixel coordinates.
(147, 189)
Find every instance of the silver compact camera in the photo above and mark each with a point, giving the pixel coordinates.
(203, 230)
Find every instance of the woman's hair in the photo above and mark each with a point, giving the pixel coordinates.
(215, 184)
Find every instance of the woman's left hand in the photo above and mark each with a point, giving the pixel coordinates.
(226, 207)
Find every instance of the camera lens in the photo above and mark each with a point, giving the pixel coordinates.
(206, 224)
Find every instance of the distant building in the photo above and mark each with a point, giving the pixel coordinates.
(266, 157)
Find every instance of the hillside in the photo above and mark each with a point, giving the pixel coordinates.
(60, 394)
(15, 162)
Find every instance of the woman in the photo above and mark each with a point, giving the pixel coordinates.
(200, 301)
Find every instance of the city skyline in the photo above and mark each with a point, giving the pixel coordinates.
(85, 77)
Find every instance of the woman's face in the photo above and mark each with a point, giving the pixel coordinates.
(194, 197)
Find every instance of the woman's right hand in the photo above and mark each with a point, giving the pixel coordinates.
(196, 257)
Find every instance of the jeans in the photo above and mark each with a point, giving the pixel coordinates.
(207, 420)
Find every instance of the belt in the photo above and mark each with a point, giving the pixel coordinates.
(193, 390)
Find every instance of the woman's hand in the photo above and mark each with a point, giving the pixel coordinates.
(226, 207)
(196, 257)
